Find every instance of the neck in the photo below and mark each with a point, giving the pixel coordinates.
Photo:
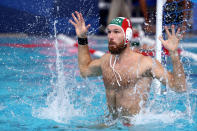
(124, 54)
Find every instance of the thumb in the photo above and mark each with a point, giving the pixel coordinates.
(160, 37)
(88, 26)
(162, 40)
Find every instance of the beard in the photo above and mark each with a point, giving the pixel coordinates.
(115, 48)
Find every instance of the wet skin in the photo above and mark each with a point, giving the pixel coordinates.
(137, 71)
(125, 100)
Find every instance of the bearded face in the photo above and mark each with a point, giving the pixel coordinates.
(116, 48)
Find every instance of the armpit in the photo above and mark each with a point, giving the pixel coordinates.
(148, 73)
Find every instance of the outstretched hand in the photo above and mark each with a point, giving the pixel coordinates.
(79, 24)
(172, 42)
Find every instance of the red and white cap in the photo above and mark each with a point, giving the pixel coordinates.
(126, 26)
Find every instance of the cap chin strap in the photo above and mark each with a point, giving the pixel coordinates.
(114, 71)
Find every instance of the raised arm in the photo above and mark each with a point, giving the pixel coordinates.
(87, 66)
(175, 80)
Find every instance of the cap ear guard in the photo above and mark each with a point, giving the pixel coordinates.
(129, 34)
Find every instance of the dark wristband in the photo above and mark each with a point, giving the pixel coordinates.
(82, 41)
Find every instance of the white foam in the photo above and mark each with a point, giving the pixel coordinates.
(58, 109)
(155, 117)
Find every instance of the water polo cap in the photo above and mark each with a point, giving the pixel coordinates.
(125, 25)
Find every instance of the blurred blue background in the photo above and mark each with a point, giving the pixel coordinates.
(36, 17)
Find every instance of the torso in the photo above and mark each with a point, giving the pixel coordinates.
(133, 88)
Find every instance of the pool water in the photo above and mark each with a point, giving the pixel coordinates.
(41, 89)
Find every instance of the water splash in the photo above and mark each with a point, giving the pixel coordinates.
(155, 117)
(59, 106)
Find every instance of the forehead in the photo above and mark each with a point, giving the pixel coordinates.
(114, 27)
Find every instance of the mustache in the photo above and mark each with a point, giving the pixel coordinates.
(112, 43)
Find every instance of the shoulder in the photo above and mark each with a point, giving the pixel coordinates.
(102, 60)
(151, 63)
(147, 61)
(105, 57)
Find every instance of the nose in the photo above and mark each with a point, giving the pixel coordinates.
(111, 36)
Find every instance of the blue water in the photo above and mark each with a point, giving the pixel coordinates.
(37, 93)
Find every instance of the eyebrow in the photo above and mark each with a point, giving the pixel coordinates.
(113, 30)
(116, 29)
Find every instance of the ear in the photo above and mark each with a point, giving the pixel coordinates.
(129, 34)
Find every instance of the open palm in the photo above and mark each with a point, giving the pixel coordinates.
(172, 42)
(79, 24)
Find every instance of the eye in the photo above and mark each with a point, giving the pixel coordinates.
(116, 31)
(108, 31)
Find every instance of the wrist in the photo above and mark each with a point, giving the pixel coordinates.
(81, 35)
(82, 40)
(174, 53)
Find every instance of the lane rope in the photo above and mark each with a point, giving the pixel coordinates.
(97, 53)
(22, 45)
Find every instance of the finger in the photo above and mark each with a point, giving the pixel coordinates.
(178, 31)
(173, 30)
(167, 31)
(161, 39)
(82, 20)
(88, 26)
(183, 31)
(73, 23)
(75, 18)
(180, 37)
(78, 16)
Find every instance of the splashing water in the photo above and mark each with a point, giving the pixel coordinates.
(58, 103)
(163, 109)
(154, 117)
(60, 109)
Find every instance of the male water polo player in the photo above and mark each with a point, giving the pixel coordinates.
(127, 74)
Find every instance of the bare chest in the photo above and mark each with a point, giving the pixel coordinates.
(123, 76)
